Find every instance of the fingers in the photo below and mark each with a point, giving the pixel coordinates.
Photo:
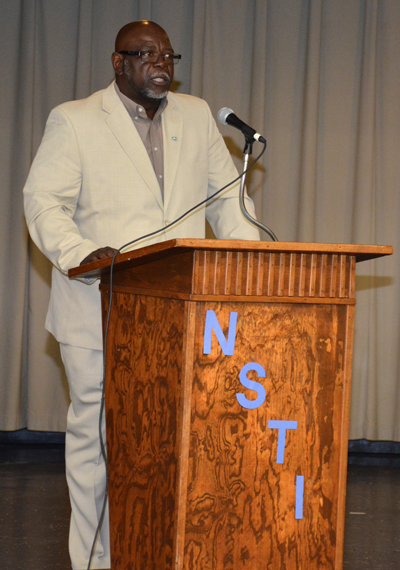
(101, 253)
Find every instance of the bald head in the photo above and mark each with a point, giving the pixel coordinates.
(133, 29)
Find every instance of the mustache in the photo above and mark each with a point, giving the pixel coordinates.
(163, 74)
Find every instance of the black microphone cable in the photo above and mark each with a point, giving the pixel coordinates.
(102, 405)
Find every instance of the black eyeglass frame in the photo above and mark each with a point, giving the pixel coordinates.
(175, 57)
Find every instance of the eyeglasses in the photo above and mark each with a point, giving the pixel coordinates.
(153, 56)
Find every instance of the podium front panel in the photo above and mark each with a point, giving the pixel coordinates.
(227, 433)
(266, 441)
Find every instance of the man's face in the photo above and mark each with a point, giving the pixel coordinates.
(145, 81)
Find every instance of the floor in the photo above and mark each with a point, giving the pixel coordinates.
(34, 510)
(372, 528)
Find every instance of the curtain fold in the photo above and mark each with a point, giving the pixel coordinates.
(319, 79)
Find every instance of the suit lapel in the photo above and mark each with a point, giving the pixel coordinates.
(126, 133)
(172, 123)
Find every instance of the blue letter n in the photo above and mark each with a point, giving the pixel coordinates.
(212, 324)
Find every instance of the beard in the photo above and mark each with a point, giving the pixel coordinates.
(147, 92)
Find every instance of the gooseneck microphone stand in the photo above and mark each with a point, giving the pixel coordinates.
(247, 152)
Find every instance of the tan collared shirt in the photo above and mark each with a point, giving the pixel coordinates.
(150, 131)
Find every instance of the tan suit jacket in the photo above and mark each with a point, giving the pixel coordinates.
(92, 185)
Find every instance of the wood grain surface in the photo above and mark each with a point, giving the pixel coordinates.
(240, 501)
(143, 401)
(161, 250)
(194, 478)
(249, 275)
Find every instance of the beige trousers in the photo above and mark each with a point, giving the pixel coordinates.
(85, 467)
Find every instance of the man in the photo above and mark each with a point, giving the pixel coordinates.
(115, 166)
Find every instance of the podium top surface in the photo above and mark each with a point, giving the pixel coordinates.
(176, 246)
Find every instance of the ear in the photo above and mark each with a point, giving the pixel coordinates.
(118, 62)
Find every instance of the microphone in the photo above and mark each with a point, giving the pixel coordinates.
(227, 117)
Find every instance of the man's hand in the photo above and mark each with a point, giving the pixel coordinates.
(101, 253)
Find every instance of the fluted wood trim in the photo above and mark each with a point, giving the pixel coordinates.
(270, 274)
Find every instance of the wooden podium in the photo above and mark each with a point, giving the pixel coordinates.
(227, 403)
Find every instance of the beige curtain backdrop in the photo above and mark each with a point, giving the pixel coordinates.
(320, 79)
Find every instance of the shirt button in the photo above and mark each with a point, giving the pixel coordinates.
(136, 118)
(140, 109)
(160, 175)
(155, 148)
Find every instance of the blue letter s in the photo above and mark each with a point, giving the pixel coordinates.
(251, 385)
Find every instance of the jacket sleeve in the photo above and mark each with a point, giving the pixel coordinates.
(51, 195)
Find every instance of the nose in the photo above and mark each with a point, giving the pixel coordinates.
(160, 61)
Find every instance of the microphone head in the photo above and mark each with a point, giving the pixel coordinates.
(223, 114)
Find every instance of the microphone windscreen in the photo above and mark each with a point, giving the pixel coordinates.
(223, 114)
